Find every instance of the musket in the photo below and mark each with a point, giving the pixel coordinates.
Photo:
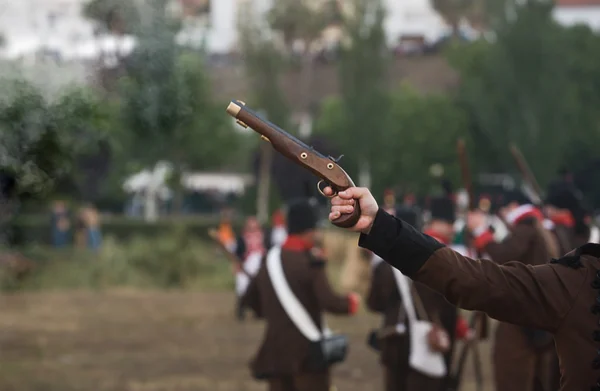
(232, 257)
(527, 174)
(456, 377)
(465, 172)
(467, 181)
(325, 167)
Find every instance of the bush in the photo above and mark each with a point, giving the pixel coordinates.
(168, 261)
(27, 230)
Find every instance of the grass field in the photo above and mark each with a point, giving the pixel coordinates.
(128, 340)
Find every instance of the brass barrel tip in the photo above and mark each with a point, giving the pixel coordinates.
(233, 109)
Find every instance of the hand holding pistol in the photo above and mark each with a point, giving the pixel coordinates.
(325, 167)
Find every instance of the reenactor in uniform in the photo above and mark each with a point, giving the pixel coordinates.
(561, 200)
(393, 339)
(251, 247)
(520, 355)
(286, 357)
(560, 296)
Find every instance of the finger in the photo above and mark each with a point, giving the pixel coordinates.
(328, 191)
(340, 201)
(342, 208)
(353, 192)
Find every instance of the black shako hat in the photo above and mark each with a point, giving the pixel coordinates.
(443, 208)
(562, 196)
(301, 216)
(409, 215)
(517, 196)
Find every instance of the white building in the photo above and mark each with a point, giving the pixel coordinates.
(57, 27)
(573, 12)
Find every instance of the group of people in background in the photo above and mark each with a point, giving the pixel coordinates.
(82, 230)
(281, 276)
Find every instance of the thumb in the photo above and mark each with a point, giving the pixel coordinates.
(354, 193)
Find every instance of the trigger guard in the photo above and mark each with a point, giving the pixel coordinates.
(323, 193)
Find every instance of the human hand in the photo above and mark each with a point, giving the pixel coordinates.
(344, 201)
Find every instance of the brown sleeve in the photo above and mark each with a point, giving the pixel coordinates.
(328, 300)
(251, 297)
(533, 296)
(380, 291)
(513, 247)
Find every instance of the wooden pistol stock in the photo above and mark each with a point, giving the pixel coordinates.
(322, 166)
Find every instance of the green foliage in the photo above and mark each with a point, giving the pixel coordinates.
(535, 86)
(167, 104)
(264, 66)
(40, 139)
(422, 130)
(36, 229)
(300, 19)
(364, 82)
(175, 260)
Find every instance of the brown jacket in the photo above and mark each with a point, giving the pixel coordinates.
(284, 350)
(559, 297)
(384, 298)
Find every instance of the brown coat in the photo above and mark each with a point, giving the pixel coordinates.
(565, 238)
(559, 297)
(384, 298)
(516, 361)
(284, 350)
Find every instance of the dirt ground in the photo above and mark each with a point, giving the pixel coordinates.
(141, 341)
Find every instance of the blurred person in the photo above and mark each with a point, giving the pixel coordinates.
(559, 296)
(93, 233)
(278, 230)
(60, 224)
(520, 355)
(251, 247)
(225, 230)
(558, 206)
(441, 227)
(287, 358)
(389, 201)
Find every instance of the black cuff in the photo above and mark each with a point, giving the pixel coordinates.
(383, 234)
(398, 243)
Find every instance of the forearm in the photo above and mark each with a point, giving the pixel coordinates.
(512, 293)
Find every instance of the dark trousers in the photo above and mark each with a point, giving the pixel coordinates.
(304, 382)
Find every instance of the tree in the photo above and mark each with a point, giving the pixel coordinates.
(43, 141)
(363, 75)
(167, 106)
(92, 122)
(264, 65)
(422, 131)
(528, 87)
(303, 22)
(454, 10)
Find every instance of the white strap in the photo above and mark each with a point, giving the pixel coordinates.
(404, 283)
(594, 235)
(375, 260)
(291, 305)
